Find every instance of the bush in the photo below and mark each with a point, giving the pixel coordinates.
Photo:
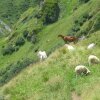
(16, 48)
(90, 16)
(29, 37)
(76, 21)
(25, 33)
(49, 13)
(96, 26)
(12, 70)
(20, 41)
(86, 16)
(32, 37)
(38, 15)
(8, 50)
(76, 28)
(80, 21)
(82, 33)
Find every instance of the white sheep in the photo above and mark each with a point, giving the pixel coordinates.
(42, 55)
(90, 46)
(70, 48)
(81, 69)
(92, 59)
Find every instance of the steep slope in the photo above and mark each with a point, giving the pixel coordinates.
(81, 21)
(9, 56)
(55, 79)
(10, 10)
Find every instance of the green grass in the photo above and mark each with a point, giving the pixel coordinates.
(53, 79)
(50, 32)
(11, 16)
(22, 53)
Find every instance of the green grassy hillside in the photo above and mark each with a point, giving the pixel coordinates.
(10, 10)
(27, 51)
(53, 79)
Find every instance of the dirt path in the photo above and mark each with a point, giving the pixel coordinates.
(75, 96)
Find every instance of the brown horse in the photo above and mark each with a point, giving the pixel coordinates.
(68, 38)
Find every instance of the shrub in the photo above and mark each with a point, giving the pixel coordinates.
(76, 21)
(82, 33)
(38, 15)
(8, 50)
(29, 37)
(16, 48)
(71, 32)
(34, 39)
(49, 13)
(86, 16)
(13, 69)
(25, 33)
(76, 28)
(82, 21)
(90, 16)
(96, 26)
(20, 41)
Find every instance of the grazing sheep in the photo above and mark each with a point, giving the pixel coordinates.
(92, 59)
(70, 48)
(68, 38)
(80, 69)
(90, 46)
(42, 55)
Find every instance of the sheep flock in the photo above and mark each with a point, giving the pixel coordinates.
(79, 69)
